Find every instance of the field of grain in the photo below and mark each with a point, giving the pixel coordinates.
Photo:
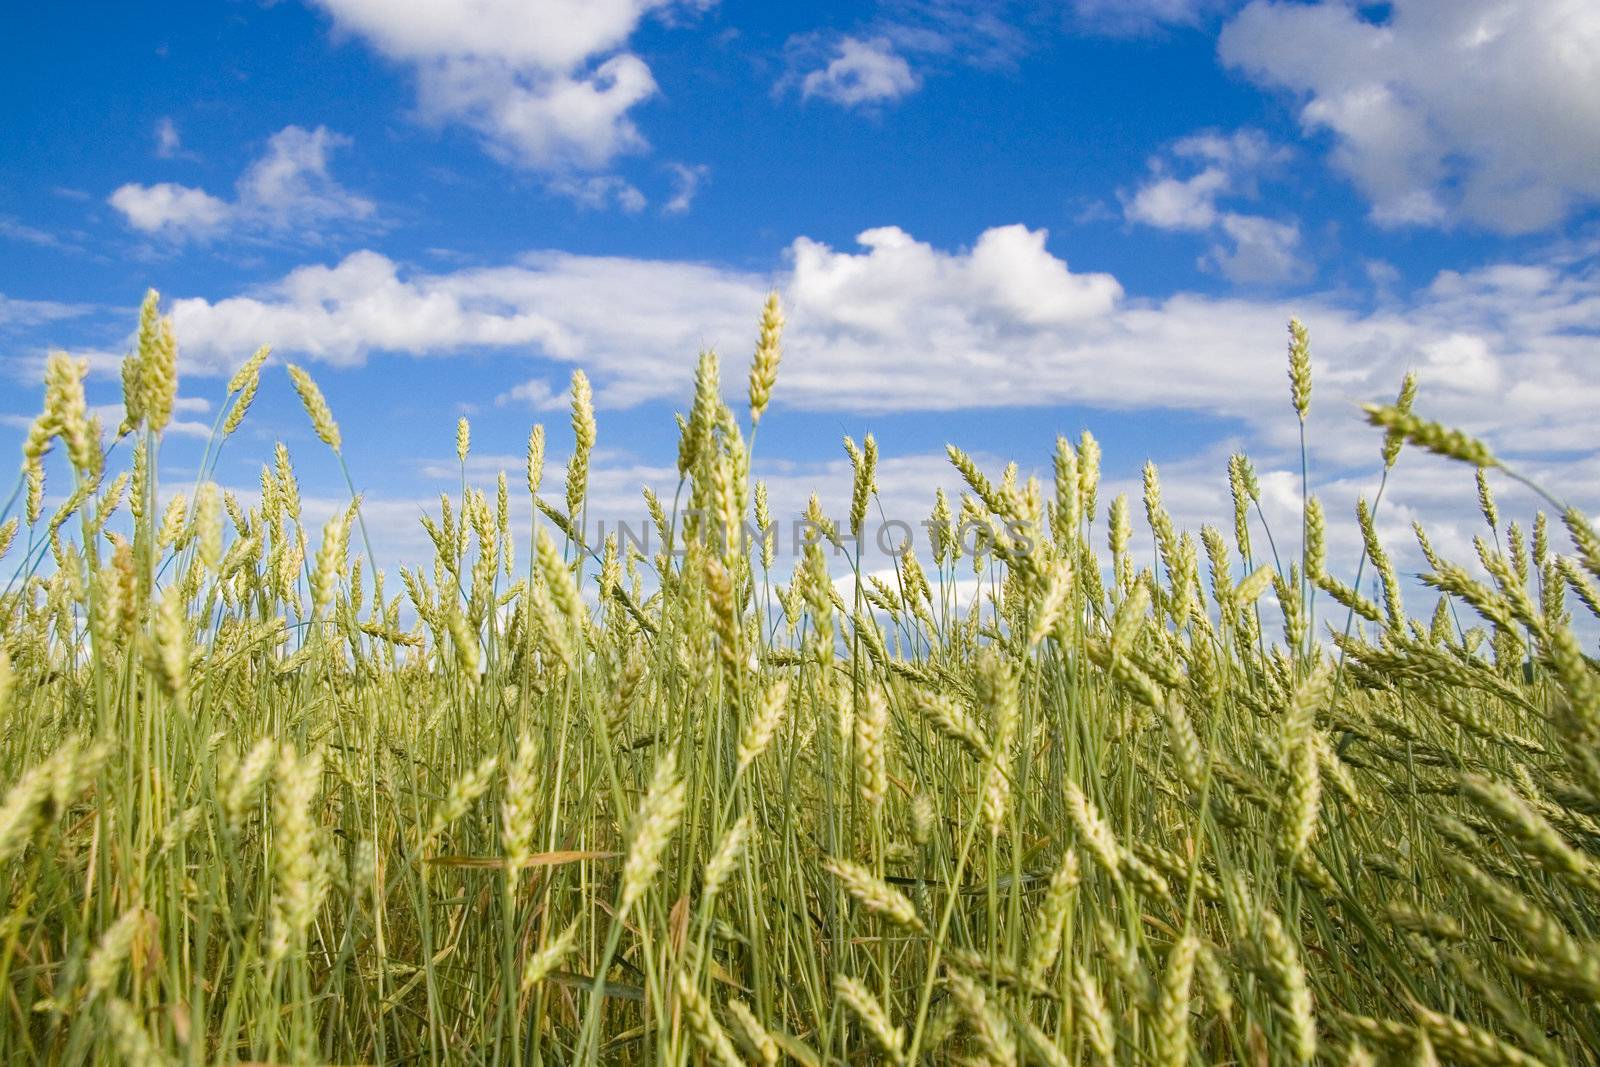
(529, 802)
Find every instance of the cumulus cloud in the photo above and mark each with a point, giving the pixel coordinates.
(171, 209)
(637, 323)
(548, 85)
(557, 122)
(547, 34)
(1248, 248)
(287, 190)
(861, 73)
(896, 324)
(1170, 203)
(1007, 279)
(1006, 289)
(1444, 110)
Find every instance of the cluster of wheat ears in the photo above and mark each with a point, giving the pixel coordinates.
(258, 804)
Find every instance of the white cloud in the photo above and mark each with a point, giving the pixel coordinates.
(287, 190)
(551, 122)
(1261, 250)
(1008, 279)
(171, 209)
(549, 34)
(547, 84)
(896, 324)
(1475, 110)
(1249, 248)
(1465, 360)
(1179, 203)
(861, 72)
(639, 322)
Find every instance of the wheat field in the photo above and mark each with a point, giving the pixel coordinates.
(539, 802)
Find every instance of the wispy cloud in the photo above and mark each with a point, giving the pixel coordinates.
(16, 230)
(598, 191)
(25, 313)
(1128, 17)
(169, 145)
(536, 394)
(287, 190)
(111, 415)
(688, 180)
(1183, 190)
(889, 57)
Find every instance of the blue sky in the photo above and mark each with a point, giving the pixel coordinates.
(991, 223)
